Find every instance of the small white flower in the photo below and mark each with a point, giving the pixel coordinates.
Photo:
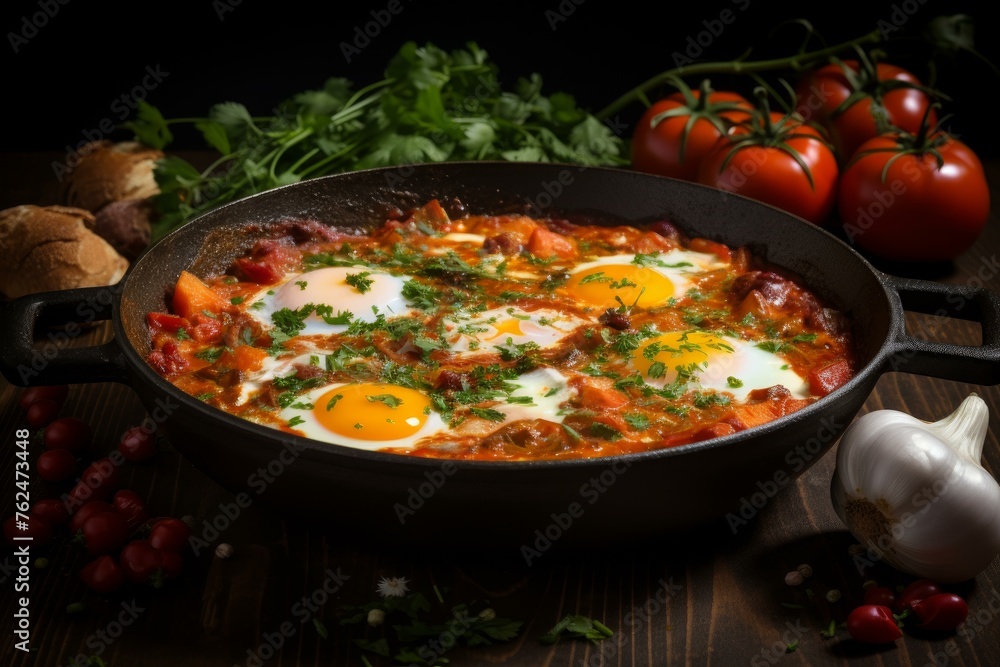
(393, 587)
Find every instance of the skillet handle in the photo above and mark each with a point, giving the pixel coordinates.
(64, 316)
(962, 363)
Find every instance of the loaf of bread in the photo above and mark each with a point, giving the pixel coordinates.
(44, 248)
(110, 172)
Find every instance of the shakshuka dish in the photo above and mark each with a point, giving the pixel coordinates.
(500, 337)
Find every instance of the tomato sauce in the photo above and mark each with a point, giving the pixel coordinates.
(522, 338)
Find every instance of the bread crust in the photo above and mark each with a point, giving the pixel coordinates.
(44, 248)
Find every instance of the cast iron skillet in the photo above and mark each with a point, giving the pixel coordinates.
(583, 502)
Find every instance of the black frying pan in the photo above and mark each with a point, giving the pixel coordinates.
(583, 501)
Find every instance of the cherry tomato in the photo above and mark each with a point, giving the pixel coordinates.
(42, 413)
(170, 535)
(29, 396)
(131, 506)
(52, 510)
(137, 444)
(941, 611)
(56, 465)
(103, 574)
(98, 481)
(139, 561)
(920, 211)
(86, 511)
(145, 564)
(866, 91)
(104, 532)
(918, 590)
(676, 133)
(68, 433)
(748, 162)
(873, 624)
(880, 595)
(31, 526)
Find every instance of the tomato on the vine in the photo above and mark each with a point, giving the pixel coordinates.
(676, 133)
(778, 159)
(137, 444)
(914, 198)
(880, 595)
(52, 510)
(143, 563)
(858, 100)
(131, 506)
(170, 535)
(32, 395)
(873, 624)
(86, 511)
(68, 433)
(42, 412)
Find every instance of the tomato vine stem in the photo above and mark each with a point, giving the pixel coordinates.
(797, 62)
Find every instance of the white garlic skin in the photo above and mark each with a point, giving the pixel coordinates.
(942, 505)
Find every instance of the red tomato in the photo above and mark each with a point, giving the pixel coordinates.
(42, 413)
(167, 322)
(56, 465)
(130, 505)
(676, 133)
(104, 532)
(98, 481)
(170, 535)
(919, 211)
(103, 575)
(86, 511)
(821, 97)
(29, 396)
(873, 624)
(826, 379)
(880, 595)
(68, 433)
(137, 444)
(942, 611)
(145, 564)
(916, 591)
(31, 526)
(748, 163)
(52, 510)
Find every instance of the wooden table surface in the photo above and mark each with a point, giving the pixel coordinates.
(707, 597)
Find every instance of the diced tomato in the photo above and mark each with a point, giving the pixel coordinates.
(653, 242)
(713, 431)
(431, 213)
(546, 244)
(205, 329)
(168, 360)
(754, 414)
(193, 297)
(718, 249)
(166, 322)
(262, 273)
(824, 380)
(753, 304)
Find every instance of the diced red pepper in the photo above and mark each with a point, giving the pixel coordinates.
(824, 380)
(167, 322)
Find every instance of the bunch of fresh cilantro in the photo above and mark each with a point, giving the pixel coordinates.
(432, 106)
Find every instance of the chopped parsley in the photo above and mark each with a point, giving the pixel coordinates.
(211, 354)
(605, 432)
(488, 414)
(359, 281)
(296, 420)
(182, 334)
(237, 300)
(637, 420)
(734, 382)
(387, 399)
(333, 401)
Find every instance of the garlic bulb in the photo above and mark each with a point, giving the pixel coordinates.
(915, 494)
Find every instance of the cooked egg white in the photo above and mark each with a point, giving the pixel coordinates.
(364, 415)
(539, 395)
(378, 293)
(503, 327)
(645, 281)
(715, 362)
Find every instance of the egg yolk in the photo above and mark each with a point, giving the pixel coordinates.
(634, 285)
(508, 328)
(659, 357)
(371, 411)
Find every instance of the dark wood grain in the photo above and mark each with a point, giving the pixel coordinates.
(705, 597)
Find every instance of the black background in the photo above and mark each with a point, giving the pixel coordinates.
(64, 81)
